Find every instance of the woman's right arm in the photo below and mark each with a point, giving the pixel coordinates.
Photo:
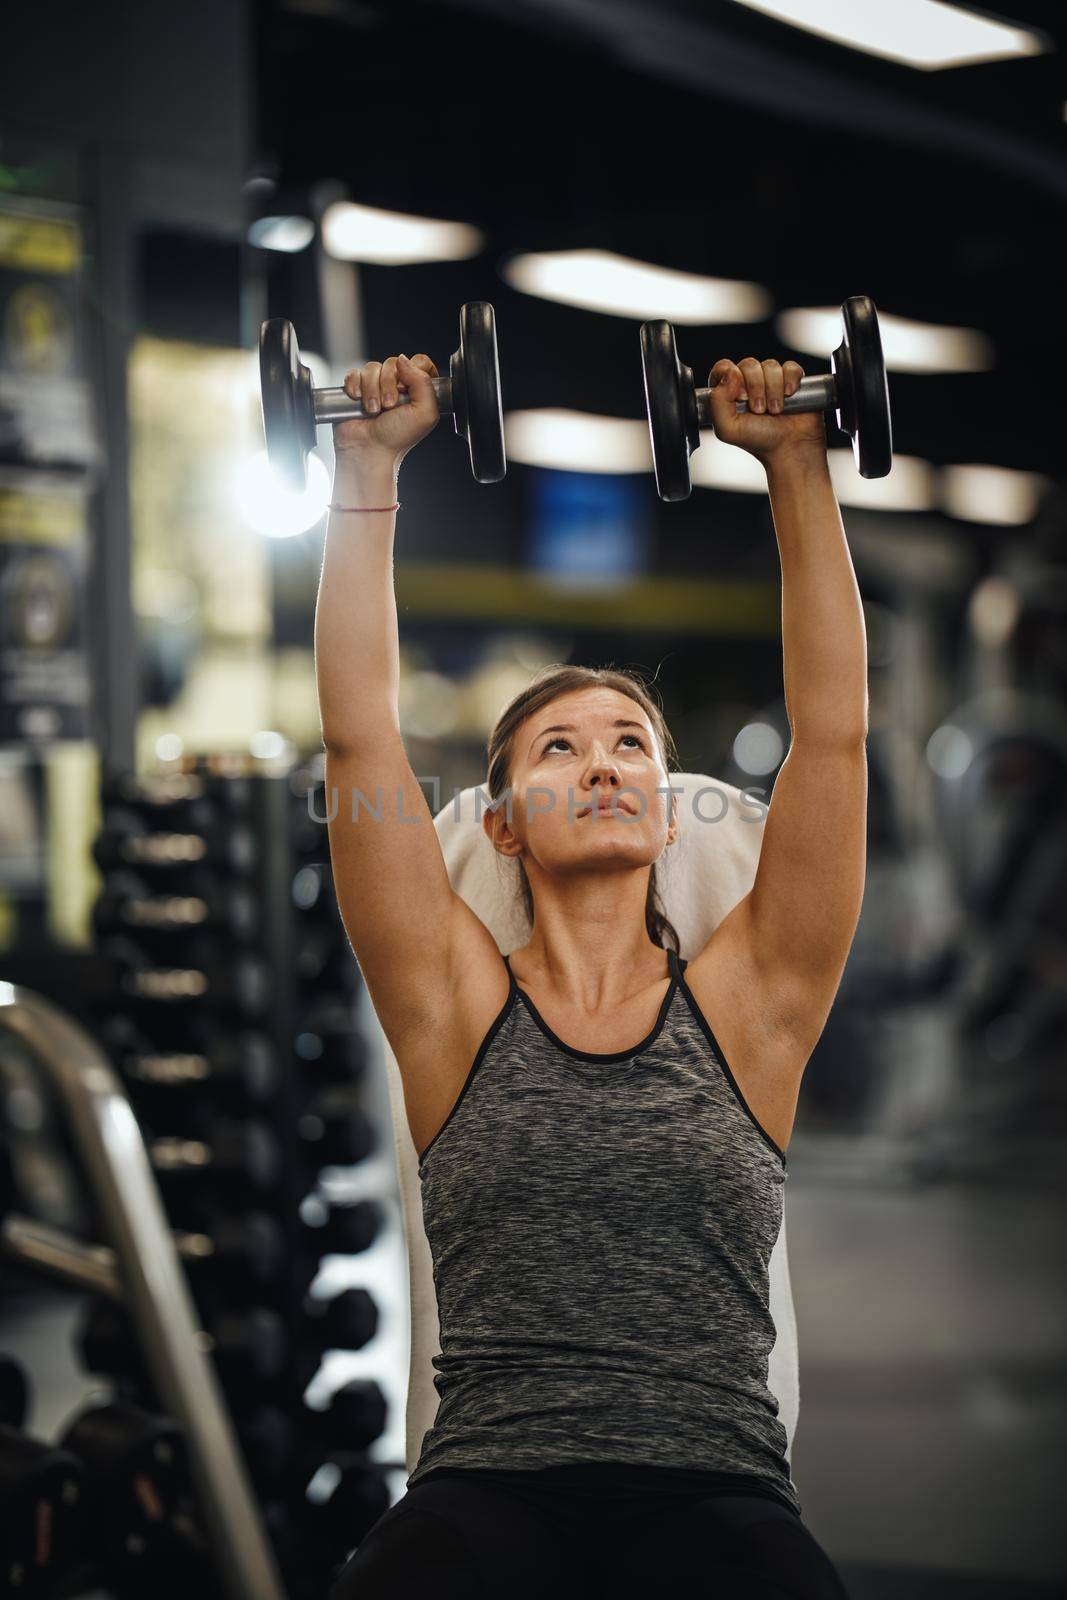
(411, 933)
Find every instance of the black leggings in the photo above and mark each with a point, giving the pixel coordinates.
(498, 1535)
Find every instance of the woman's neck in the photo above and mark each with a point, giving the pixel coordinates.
(590, 978)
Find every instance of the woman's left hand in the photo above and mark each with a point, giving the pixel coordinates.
(764, 430)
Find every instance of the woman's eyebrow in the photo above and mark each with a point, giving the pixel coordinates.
(568, 727)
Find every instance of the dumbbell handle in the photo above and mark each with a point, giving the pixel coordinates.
(336, 405)
(811, 394)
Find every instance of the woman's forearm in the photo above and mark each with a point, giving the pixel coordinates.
(357, 652)
(824, 642)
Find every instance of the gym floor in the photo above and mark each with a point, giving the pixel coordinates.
(933, 1392)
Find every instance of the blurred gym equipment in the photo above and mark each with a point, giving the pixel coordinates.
(42, 1493)
(143, 1272)
(227, 995)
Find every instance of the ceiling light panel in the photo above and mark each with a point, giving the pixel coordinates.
(906, 345)
(991, 494)
(391, 238)
(599, 280)
(926, 34)
(577, 441)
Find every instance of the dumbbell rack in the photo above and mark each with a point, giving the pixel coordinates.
(288, 960)
(228, 1016)
(141, 1270)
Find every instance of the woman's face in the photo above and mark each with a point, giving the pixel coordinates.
(584, 748)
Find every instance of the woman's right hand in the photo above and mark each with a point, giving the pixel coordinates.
(388, 428)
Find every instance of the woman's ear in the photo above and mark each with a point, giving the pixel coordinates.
(672, 830)
(500, 834)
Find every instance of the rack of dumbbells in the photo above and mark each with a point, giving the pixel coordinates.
(231, 1021)
(124, 1500)
(105, 1509)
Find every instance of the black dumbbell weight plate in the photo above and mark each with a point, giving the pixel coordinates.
(137, 1477)
(862, 388)
(670, 397)
(476, 406)
(42, 1515)
(288, 404)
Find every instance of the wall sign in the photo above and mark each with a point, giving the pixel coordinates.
(44, 543)
(46, 413)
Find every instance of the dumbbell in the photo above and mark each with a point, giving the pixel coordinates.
(344, 1228)
(127, 839)
(267, 1436)
(292, 409)
(240, 1067)
(42, 1514)
(359, 1498)
(312, 892)
(136, 1474)
(334, 1130)
(855, 389)
(348, 1321)
(292, 1442)
(105, 1345)
(323, 958)
(128, 901)
(332, 1058)
(355, 1416)
(248, 1248)
(183, 800)
(241, 983)
(330, 1043)
(249, 1346)
(243, 1152)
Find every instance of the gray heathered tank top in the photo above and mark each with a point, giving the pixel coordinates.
(600, 1227)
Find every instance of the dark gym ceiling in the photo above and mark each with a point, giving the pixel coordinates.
(707, 137)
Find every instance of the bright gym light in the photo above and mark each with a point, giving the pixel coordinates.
(392, 238)
(272, 509)
(907, 346)
(577, 441)
(991, 494)
(599, 280)
(918, 33)
(910, 486)
(287, 234)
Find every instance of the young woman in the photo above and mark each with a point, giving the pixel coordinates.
(601, 1126)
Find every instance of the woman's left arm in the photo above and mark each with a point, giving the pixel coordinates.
(805, 901)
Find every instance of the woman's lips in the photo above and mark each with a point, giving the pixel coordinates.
(609, 805)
